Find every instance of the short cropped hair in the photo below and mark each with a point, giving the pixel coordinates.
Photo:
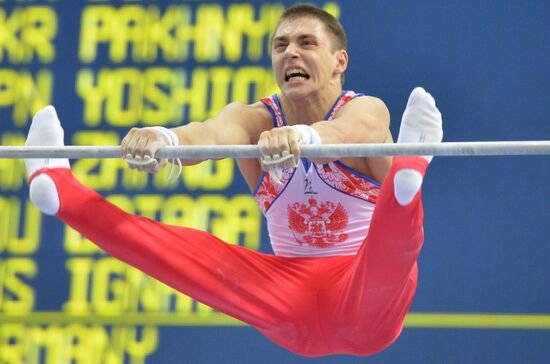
(333, 25)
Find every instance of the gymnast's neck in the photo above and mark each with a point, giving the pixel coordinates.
(308, 108)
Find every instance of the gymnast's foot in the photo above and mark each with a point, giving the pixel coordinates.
(45, 130)
(421, 123)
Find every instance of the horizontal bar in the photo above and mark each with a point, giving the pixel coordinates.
(325, 150)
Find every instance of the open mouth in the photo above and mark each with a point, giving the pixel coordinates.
(296, 75)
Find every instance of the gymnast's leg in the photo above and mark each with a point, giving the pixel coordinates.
(250, 286)
(381, 284)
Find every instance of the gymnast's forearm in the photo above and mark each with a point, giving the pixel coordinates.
(226, 128)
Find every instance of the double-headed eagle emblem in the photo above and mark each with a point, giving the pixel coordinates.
(318, 224)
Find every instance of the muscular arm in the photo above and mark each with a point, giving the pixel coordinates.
(236, 123)
(231, 126)
(362, 120)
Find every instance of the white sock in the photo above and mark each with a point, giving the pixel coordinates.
(421, 123)
(45, 130)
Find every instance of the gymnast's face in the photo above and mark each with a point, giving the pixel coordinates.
(304, 57)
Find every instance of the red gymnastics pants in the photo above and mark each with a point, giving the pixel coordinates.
(310, 306)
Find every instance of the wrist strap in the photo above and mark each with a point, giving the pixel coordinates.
(309, 135)
(173, 140)
(168, 134)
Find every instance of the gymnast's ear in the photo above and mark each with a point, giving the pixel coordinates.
(341, 60)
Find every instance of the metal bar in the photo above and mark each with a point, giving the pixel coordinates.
(325, 150)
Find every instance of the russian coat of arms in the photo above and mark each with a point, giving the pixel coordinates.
(318, 224)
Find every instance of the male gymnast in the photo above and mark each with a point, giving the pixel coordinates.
(346, 233)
